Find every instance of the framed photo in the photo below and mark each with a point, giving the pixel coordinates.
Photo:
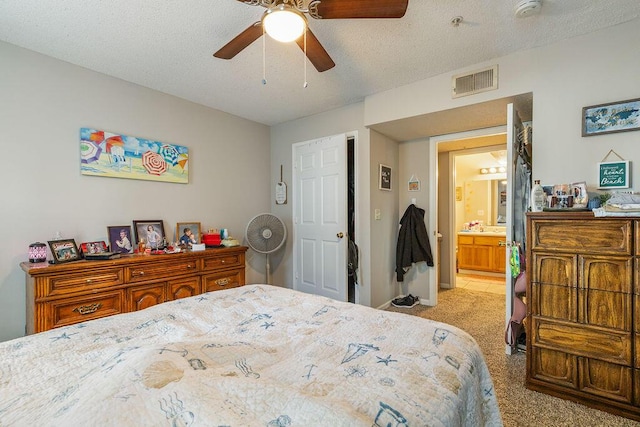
(93, 247)
(150, 232)
(579, 193)
(414, 185)
(621, 116)
(613, 174)
(64, 250)
(188, 233)
(120, 239)
(384, 178)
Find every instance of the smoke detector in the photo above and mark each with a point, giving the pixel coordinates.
(527, 8)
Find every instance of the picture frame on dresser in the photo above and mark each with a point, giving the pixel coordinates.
(151, 232)
(93, 247)
(194, 228)
(120, 240)
(64, 250)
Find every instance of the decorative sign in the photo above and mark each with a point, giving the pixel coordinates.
(613, 174)
(384, 178)
(414, 183)
(281, 193)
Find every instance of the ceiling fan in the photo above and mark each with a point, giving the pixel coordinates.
(317, 9)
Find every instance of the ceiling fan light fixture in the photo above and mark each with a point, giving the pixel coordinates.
(284, 23)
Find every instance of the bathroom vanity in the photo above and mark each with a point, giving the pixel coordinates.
(482, 251)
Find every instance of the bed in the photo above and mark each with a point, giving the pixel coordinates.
(257, 355)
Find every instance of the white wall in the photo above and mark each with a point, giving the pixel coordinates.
(565, 77)
(43, 104)
(384, 232)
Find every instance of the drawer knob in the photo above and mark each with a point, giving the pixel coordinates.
(222, 282)
(88, 309)
(190, 266)
(138, 273)
(89, 280)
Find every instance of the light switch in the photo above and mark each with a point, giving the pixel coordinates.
(480, 212)
(377, 214)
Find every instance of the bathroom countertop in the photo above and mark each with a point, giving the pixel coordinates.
(482, 233)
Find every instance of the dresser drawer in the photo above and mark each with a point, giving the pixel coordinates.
(225, 280)
(75, 310)
(154, 271)
(80, 282)
(602, 236)
(223, 261)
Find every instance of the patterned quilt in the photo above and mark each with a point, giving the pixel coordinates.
(257, 355)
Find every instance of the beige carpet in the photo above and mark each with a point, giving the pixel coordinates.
(481, 314)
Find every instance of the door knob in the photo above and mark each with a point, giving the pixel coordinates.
(340, 235)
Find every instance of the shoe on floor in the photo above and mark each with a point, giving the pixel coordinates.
(406, 302)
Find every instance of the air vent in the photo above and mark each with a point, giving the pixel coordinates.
(476, 82)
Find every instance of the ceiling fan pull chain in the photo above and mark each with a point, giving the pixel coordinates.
(305, 60)
(264, 57)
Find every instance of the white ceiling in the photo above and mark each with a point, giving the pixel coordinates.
(168, 46)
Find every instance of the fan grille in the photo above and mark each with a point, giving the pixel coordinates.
(266, 233)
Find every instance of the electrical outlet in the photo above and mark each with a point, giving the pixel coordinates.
(377, 215)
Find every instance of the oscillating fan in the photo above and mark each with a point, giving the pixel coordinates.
(266, 234)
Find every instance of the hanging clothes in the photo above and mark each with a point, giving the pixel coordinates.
(413, 241)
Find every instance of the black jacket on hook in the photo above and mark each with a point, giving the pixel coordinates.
(413, 241)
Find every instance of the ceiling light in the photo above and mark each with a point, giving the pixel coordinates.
(492, 170)
(284, 23)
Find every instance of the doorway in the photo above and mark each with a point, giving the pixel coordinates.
(449, 195)
(479, 180)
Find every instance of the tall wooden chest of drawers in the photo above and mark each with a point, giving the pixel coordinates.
(64, 294)
(583, 311)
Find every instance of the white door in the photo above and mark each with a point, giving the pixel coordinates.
(320, 217)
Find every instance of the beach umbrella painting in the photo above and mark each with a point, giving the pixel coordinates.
(114, 141)
(154, 163)
(183, 159)
(89, 151)
(97, 136)
(170, 154)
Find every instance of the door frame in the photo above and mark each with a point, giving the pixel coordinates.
(433, 215)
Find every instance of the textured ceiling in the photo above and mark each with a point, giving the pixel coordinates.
(168, 45)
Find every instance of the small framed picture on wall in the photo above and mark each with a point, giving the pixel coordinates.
(384, 178)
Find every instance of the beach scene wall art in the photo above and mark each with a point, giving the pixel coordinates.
(115, 155)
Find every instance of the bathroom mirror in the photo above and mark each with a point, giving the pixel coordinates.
(486, 201)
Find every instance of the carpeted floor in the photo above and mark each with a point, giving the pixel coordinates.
(481, 314)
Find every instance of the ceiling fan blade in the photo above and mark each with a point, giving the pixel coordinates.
(350, 9)
(241, 41)
(316, 52)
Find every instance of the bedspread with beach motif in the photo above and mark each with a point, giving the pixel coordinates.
(258, 355)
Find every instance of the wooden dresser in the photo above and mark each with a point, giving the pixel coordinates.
(583, 311)
(64, 294)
